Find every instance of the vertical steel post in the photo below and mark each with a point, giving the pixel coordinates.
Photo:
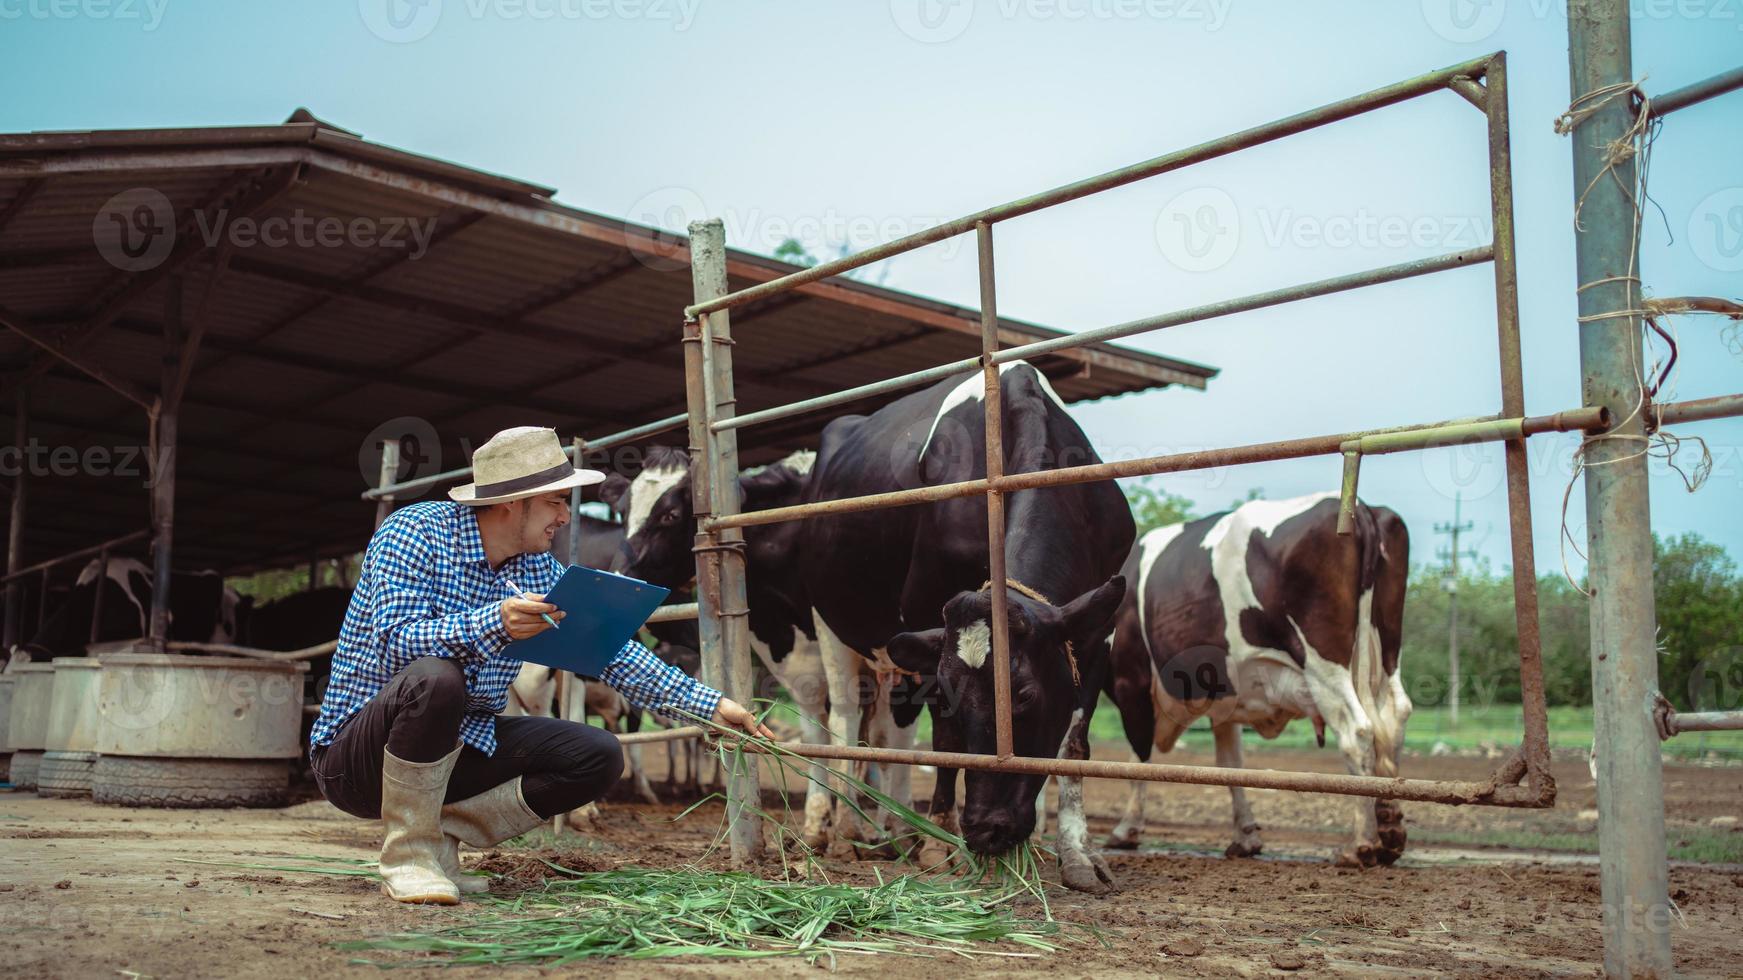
(995, 499)
(719, 455)
(97, 597)
(314, 570)
(163, 478)
(389, 474)
(15, 530)
(574, 537)
(1536, 735)
(1634, 879)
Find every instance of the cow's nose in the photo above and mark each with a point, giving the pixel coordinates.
(992, 833)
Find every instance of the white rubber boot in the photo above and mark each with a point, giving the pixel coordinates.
(485, 820)
(411, 850)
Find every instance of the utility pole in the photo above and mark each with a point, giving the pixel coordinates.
(1451, 584)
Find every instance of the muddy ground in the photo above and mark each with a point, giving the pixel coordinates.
(93, 891)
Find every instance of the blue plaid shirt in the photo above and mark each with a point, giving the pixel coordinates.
(427, 590)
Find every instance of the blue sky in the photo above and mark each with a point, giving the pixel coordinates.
(847, 122)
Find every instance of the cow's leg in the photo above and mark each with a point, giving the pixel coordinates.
(1040, 832)
(1228, 756)
(1392, 712)
(1079, 868)
(1335, 696)
(841, 668)
(637, 769)
(894, 781)
(805, 680)
(1138, 716)
(943, 812)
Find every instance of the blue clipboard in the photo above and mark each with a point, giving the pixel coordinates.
(602, 612)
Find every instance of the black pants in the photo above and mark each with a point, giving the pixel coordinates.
(417, 717)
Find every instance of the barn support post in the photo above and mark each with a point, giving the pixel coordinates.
(1636, 910)
(389, 470)
(574, 536)
(163, 476)
(993, 415)
(724, 606)
(1535, 744)
(15, 530)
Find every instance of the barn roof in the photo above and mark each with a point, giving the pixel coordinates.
(308, 347)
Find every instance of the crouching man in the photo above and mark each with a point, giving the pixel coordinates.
(409, 729)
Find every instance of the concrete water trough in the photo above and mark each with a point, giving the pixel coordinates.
(182, 731)
(27, 730)
(70, 745)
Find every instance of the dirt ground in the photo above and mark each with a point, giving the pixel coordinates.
(90, 890)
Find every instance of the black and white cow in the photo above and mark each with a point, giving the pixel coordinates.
(842, 687)
(910, 581)
(202, 609)
(1258, 616)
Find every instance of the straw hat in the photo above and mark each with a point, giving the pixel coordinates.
(524, 461)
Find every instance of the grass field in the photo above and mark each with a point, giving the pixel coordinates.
(1499, 725)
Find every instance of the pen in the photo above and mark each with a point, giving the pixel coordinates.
(544, 616)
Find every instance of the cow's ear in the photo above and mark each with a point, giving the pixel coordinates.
(917, 652)
(1091, 614)
(613, 490)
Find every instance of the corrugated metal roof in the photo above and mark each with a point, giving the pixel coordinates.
(522, 311)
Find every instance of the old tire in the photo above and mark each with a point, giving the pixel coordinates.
(25, 763)
(190, 783)
(65, 774)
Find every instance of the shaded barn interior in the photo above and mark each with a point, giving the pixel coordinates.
(296, 348)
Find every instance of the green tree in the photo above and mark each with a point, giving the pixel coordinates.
(1154, 507)
(1700, 622)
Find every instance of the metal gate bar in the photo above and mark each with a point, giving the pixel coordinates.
(1481, 82)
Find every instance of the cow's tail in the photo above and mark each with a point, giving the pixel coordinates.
(1367, 660)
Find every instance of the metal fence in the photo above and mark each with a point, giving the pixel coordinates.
(1523, 780)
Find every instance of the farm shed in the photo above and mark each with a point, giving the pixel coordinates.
(120, 280)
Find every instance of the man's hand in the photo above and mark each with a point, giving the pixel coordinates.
(734, 715)
(522, 616)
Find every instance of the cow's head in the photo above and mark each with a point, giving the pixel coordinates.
(999, 808)
(658, 525)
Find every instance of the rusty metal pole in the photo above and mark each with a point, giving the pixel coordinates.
(1636, 910)
(163, 478)
(389, 471)
(719, 454)
(1536, 734)
(97, 597)
(574, 536)
(15, 530)
(993, 413)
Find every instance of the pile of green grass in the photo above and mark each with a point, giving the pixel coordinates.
(641, 913)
